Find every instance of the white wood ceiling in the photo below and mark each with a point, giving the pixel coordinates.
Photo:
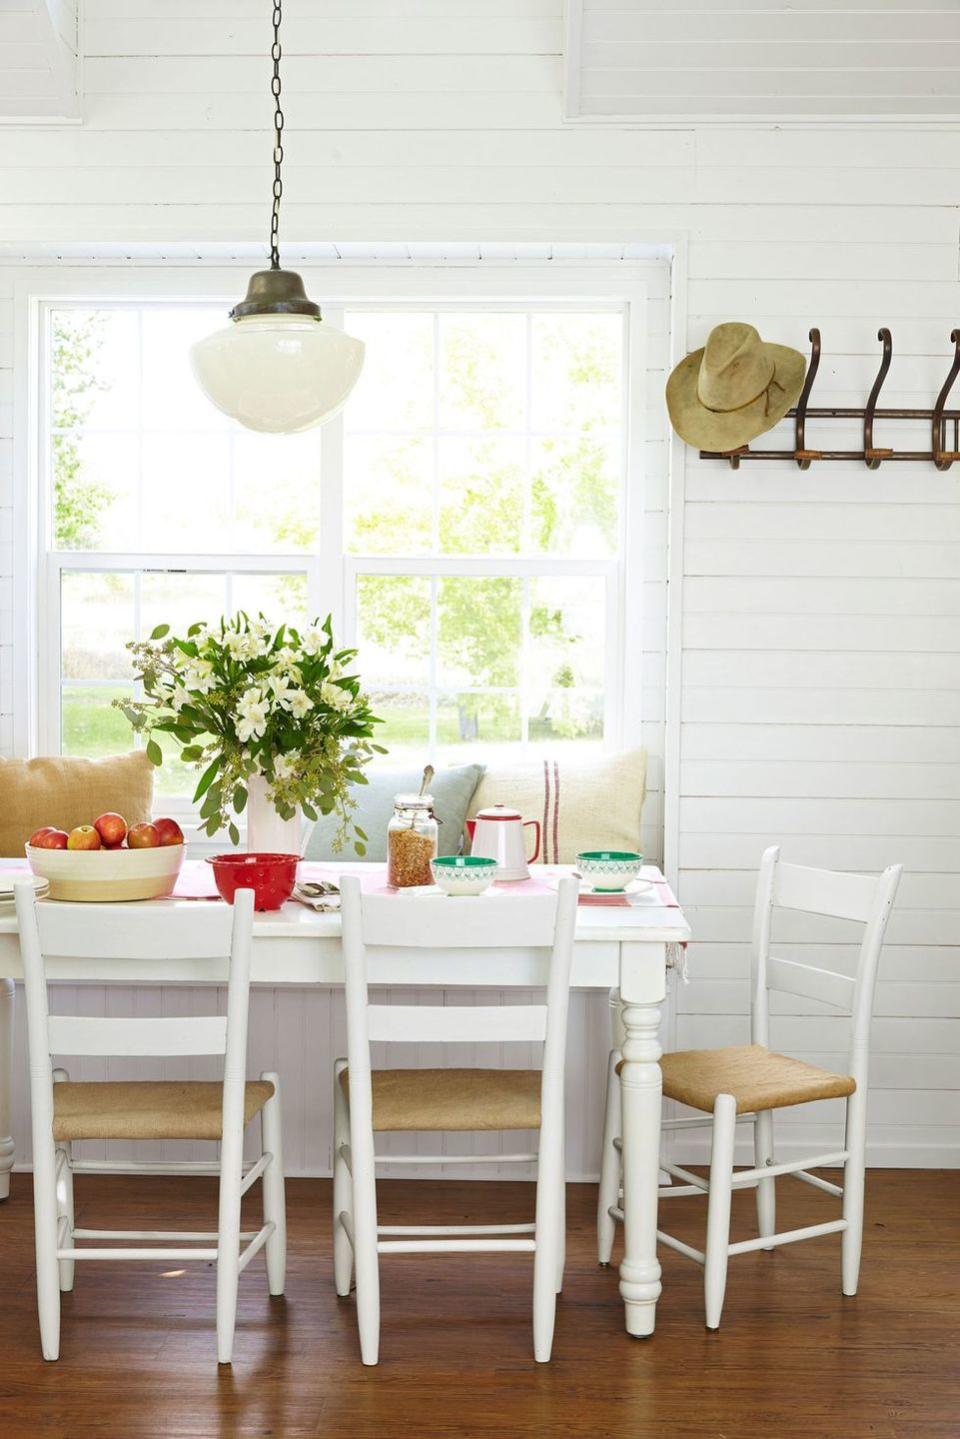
(39, 61)
(762, 60)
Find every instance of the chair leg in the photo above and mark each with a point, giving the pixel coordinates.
(274, 1196)
(342, 1187)
(548, 1224)
(45, 1230)
(228, 1244)
(766, 1188)
(718, 1207)
(366, 1257)
(851, 1240)
(562, 1222)
(610, 1166)
(65, 1208)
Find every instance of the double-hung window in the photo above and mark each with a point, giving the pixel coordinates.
(471, 519)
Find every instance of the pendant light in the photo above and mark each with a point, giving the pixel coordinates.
(276, 367)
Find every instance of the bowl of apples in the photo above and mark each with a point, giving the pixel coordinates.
(106, 861)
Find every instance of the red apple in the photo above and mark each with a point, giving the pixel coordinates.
(83, 837)
(50, 839)
(112, 829)
(169, 831)
(37, 836)
(143, 836)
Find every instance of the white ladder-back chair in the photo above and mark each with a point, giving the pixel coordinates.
(745, 1084)
(367, 1101)
(146, 1109)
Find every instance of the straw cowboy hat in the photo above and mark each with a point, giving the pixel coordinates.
(734, 389)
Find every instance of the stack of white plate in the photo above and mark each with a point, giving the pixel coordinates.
(6, 889)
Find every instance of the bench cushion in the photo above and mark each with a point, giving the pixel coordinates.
(63, 792)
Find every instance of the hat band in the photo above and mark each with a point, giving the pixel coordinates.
(732, 409)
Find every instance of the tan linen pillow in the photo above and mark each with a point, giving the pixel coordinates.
(590, 803)
(65, 792)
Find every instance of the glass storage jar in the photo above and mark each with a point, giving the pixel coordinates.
(411, 840)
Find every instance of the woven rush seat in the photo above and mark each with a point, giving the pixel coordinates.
(455, 1099)
(147, 1109)
(757, 1078)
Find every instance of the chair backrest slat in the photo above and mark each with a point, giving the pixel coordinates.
(825, 891)
(431, 921)
(143, 931)
(809, 890)
(809, 982)
(84, 1036)
(451, 1024)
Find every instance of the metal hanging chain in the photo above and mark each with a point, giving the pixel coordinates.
(275, 88)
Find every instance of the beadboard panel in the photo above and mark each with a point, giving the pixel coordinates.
(651, 59)
(820, 702)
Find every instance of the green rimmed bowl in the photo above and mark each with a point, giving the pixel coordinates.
(461, 874)
(609, 870)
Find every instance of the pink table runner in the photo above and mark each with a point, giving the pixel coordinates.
(196, 882)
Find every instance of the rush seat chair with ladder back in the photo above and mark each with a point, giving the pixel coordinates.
(745, 1084)
(64, 1112)
(366, 1101)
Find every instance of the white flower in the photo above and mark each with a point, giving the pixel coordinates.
(298, 702)
(199, 676)
(336, 670)
(253, 712)
(179, 698)
(286, 666)
(336, 697)
(285, 765)
(313, 640)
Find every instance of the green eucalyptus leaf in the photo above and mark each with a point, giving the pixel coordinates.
(234, 834)
(239, 798)
(207, 778)
(160, 632)
(154, 752)
(361, 849)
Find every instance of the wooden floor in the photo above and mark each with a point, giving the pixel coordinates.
(793, 1357)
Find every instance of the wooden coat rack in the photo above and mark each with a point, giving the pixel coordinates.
(939, 418)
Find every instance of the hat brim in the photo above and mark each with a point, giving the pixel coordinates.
(711, 430)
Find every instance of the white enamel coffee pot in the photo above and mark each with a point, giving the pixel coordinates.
(497, 833)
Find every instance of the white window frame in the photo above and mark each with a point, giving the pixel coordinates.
(331, 574)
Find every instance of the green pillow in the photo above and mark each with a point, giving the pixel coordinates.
(452, 791)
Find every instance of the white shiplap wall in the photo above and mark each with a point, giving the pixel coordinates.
(820, 611)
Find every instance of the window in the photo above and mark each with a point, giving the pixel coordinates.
(465, 519)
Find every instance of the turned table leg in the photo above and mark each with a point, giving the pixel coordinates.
(640, 1082)
(6, 1084)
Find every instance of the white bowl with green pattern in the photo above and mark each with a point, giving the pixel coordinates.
(459, 875)
(609, 871)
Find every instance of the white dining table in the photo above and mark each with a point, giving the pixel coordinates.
(623, 950)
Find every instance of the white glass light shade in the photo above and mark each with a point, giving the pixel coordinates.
(278, 373)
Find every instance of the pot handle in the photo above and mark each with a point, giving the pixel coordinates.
(536, 848)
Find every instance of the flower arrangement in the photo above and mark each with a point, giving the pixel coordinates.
(245, 700)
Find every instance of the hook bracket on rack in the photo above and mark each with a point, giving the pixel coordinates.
(942, 457)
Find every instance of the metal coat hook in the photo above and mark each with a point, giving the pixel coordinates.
(942, 458)
(871, 456)
(804, 456)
